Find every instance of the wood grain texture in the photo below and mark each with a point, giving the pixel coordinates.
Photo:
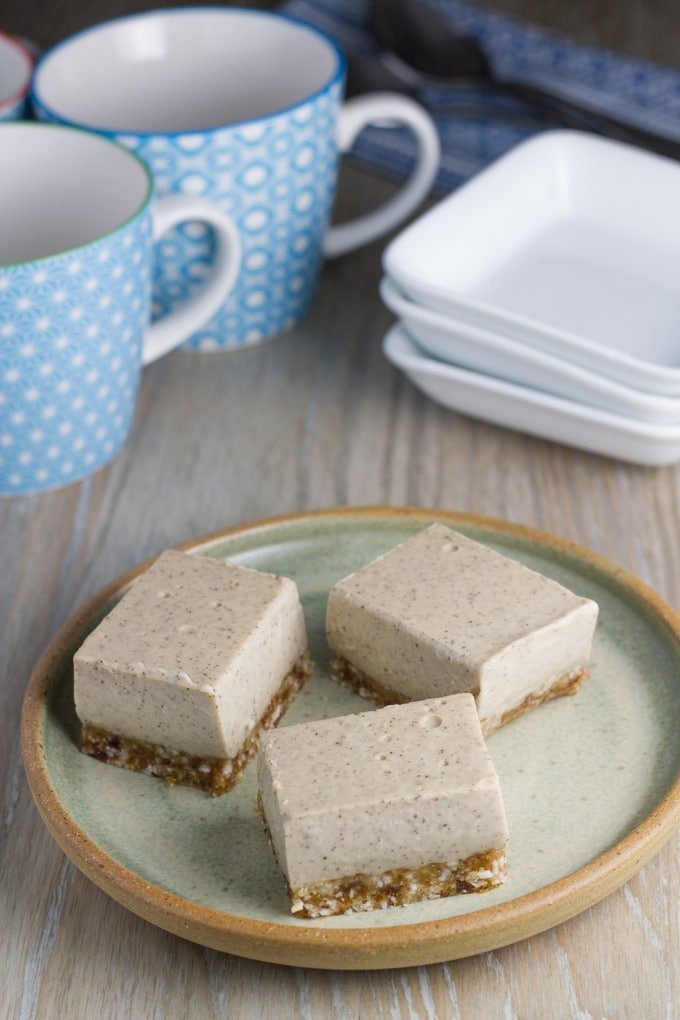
(313, 419)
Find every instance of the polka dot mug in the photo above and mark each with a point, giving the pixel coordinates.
(243, 107)
(78, 228)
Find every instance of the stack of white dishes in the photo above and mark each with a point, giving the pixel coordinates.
(544, 296)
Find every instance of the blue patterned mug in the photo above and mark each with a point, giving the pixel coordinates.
(76, 243)
(244, 107)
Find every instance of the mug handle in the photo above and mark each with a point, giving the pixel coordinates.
(169, 211)
(357, 114)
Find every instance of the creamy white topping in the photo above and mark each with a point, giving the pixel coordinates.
(191, 656)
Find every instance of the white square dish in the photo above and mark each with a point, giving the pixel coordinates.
(572, 243)
(526, 410)
(485, 350)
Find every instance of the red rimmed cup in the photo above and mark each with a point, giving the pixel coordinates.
(16, 71)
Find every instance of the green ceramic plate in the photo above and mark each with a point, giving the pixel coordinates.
(591, 783)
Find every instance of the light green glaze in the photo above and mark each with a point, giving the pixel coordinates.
(577, 773)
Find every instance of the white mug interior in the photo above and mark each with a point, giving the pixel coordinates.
(185, 70)
(67, 187)
(16, 68)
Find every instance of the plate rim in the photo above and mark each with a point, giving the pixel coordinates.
(362, 948)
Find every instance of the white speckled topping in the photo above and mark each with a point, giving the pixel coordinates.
(403, 786)
(442, 613)
(191, 656)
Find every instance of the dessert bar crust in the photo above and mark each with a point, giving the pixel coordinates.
(569, 684)
(400, 886)
(214, 775)
(349, 676)
(396, 887)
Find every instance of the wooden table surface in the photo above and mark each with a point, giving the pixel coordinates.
(314, 419)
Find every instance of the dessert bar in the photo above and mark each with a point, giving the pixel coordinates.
(194, 661)
(443, 614)
(383, 808)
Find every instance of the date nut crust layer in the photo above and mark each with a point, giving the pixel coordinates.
(214, 775)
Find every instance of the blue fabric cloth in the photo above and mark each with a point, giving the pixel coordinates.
(478, 124)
